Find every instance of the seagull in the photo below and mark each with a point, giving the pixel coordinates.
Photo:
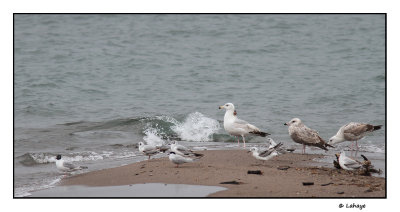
(148, 149)
(182, 150)
(266, 154)
(179, 159)
(301, 134)
(237, 127)
(272, 144)
(348, 163)
(352, 132)
(67, 167)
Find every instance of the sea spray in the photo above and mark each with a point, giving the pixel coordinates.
(196, 127)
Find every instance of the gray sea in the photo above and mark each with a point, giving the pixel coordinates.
(90, 87)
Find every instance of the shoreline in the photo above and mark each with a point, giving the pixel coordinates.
(282, 176)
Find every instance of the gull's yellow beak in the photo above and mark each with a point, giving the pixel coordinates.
(220, 107)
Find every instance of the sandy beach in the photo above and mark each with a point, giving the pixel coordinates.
(288, 175)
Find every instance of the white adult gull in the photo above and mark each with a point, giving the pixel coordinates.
(348, 163)
(179, 159)
(67, 167)
(238, 127)
(148, 149)
(352, 132)
(183, 151)
(301, 134)
(265, 154)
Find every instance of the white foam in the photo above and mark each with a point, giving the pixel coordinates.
(46, 184)
(152, 137)
(42, 158)
(196, 127)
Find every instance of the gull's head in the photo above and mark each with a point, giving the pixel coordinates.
(293, 122)
(253, 149)
(227, 106)
(141, 144)
(335, 139)
(58, 157)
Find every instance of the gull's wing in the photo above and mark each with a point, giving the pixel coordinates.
(245, 125)
(350, 163)
(148, 148)
(269, 151)
(69, 165)
(183, 149)
(306, 135)
(357, 129)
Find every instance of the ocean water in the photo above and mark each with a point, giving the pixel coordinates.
(90, 87)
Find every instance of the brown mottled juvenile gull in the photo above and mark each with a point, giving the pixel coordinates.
(301, 134)
(237, 127)
(353, 132)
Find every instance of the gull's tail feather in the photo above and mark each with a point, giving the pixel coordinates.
(323, 147)
(322, 144)
(377, 127)
(326, 144)
(262, 134)
(198, 155)
(365, 158)
(277, 146)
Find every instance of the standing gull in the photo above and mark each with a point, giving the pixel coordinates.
(148, 150)
(237, 127)
(352, 132)
(301, 134)
(179, 159)
(67, 167)
(182, 150)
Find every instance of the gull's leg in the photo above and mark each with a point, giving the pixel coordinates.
(352, 144)
(357, 145)
(149, 157)
(238, 140)
(244, 141)
(304, 149)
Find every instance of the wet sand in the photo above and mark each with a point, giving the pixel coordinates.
(282, 176)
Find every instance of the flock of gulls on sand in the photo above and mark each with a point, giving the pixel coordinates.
(300, 133)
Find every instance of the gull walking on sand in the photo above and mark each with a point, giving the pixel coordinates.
(148, 149)
(237, 127)
(67, 167)
(301, 134)
(179, 159)
(183, 151)
(352, 132)
(266, 154)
